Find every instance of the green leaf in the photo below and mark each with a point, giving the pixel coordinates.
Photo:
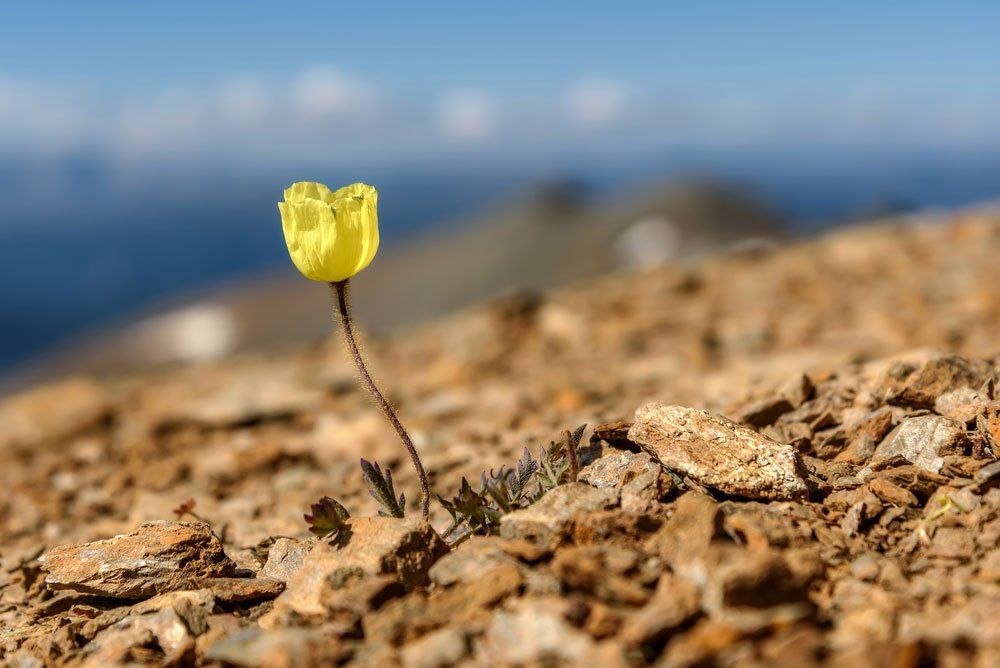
(381, 489)
(327, 517)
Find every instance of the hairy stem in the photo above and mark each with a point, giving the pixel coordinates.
(340, 293)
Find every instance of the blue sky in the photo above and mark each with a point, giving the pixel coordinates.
(246, 85)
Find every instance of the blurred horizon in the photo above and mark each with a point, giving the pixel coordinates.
(143, 145)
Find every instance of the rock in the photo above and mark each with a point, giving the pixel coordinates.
(718, 453)
(532, 634)
(259, 393)
(642, 482)
(892, 494)
(52, 412)
(464, 604)
(156, 558)
(438, 649)
(546, 519)
(614, 469)
(923, 441)
(963, 404)
(352, 592)
(989, 566)
(614, 434)
(469, 561)
(233, 590)
(953, 543)
(864, 436)
(686, 537)
(919, 384)
(285, 558)
(283, 647)
(601, 571)
(753, 579)
(988, 473)
(674, 603)
(404, 548)
(169, 622)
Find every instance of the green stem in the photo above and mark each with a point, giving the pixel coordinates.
(340, 293)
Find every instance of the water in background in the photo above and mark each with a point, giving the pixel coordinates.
(92, 253)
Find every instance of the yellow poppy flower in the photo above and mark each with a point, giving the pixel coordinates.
(331, 235)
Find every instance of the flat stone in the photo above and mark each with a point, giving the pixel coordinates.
(546, 520)
(615, 468)
(157, 557)
(533, 634)
(683, 541)
(673, 604)
(470, 560)
(283, 647)
(963, 404)
(718, 453)
(892, 494)
(404, 548)
(285, 558)
(233, 590)
(438, 649)
(919, 384)
(923, 441)
(641, 480)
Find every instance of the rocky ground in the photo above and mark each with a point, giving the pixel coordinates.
(791, 460)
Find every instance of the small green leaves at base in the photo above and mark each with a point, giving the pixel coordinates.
(327, 518)
(381, 489)
(500, 492)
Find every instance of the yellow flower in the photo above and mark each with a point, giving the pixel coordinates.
(331, 236)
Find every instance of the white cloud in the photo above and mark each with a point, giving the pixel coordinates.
(323, 92)
(595, 102)
(467, 116)
(245, 100)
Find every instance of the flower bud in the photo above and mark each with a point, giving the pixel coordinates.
(331, 235)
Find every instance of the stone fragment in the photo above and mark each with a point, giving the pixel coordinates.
(533, 634)
(952, 543)
(753, 579)
(718, 453)
(963, 404)
(615, 434)
(988, 473)
(989, 566)
(352, 592)
(405, 548)
(438, 649)
(674, 603)
(404, 619)
(642, 481)
(170, 622)
(282, 647)
(863, 437)
(157, 557)
(52, 412)
(601, 571)
(686, 537)
(546, 520)
(233, 590)
(923, 441)
(892, 494)
(918, 384)
(470, 560)
(614, 469)
(285, 558)
(762, 412)
(921, 482)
